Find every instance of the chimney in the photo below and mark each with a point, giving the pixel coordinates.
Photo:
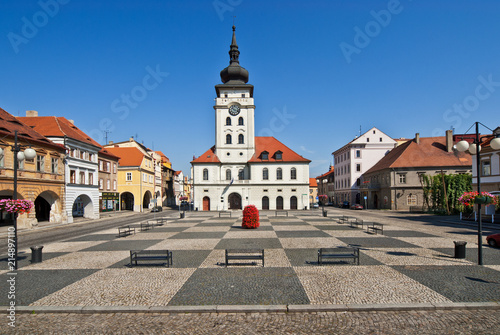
(72, 122)
(417, 138)
(110, 142)
(449, 141)
(131, 139)
(31, 113)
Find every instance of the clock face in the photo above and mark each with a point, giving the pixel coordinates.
(234, 110)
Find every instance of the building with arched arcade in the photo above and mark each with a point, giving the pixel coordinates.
(40, 180)
(242, 169)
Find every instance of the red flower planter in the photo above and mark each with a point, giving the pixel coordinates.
(250, 217)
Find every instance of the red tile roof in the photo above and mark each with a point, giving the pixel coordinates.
(105, 152)
(9, 124)
(313, 182)
(326, 174)
(262, 144)
(164, 158)
(57, 126)
(208, 157)
(129, 156)
(431, 152)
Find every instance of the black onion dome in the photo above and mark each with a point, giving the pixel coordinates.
(234, 73)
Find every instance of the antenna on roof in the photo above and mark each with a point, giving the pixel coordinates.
(106, 132)
(359, 130)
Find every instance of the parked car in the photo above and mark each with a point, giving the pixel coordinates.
(357, 206)
(345, 204)
(330, 204)
(315, 205)
(157, 209)
(493, 240)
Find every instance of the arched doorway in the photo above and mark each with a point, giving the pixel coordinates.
(234, 201)
(279, 203)
(146, 199)
(42, 209)
(206, 203)
(293, 202)
(127, 201)
(83, 207)
(265, 203)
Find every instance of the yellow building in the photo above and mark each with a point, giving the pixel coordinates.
(40, 180)
(136, 178)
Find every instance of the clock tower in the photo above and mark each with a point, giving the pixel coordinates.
(234, 112)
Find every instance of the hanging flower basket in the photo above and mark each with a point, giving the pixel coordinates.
(20, 206)
(250, 217)
(469, 199)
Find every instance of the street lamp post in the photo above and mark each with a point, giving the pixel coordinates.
(19, 155)
(475, 148)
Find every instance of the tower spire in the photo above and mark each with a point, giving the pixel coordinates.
(234, 73)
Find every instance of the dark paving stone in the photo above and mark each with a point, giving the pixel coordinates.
(304, 257)
(335, 227)
(406, 233)
(24, 259)
(289, 223)
(123, 245)
(491, 256)
(216, 223)
(180, 259)
(250, 243)
(164, 229)
(301, 233)
(241, 286)
(377, 242)
(461, 283)
(32, 285)
(95, 237)
(198, 235)
(261, 228)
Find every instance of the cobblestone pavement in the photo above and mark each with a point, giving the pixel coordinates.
(409, 323)
(411, 263)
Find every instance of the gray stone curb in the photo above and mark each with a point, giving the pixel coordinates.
(253, 308)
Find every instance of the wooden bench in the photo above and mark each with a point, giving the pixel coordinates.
(338, 253)
(356, 222)
(161, 221)
(151, 255)
(280, 212)
(224, 213)
(244, 254)
(146, 225)
(343, 219)
(125, 231)
(375, 227)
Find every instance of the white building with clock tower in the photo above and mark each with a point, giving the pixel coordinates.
(242, 169)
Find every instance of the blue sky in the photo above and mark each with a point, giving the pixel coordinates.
(321, 69)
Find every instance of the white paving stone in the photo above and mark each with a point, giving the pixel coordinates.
(121, 287)
(357, 284)
(412, 256)
(310, 242)
(82, 260)
(70, 246)
(250, 233)
(186, 244)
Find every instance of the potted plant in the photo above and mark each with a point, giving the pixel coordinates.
(469, 199)
(250, 217)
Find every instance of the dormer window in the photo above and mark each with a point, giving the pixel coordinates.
(278, 155)
(265, 155)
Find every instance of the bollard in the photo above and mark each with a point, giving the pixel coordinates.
(36, 254)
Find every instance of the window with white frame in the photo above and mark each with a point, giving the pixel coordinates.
(358, 167)
(279, 174)
(205, 174)
(40, 163)
(108, 184)
(486, 168)
(114, 185)
(358, 153)
(54, 165)
(82, 177)
(228, 174)
(241, 174)
(91, 178)
(129, 176)
(114, 167)
(144, 177)
(265, 174)
(101, 184)
(402, 178)
(293, 173)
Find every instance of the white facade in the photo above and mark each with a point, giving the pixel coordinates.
(355, 158)
(81, 178)
(231, 174)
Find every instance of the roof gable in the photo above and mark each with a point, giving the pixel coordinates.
(129, 156)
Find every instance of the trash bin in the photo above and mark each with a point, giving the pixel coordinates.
(36, 254)
(325, 213)
(182, 215)
(460, 249)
